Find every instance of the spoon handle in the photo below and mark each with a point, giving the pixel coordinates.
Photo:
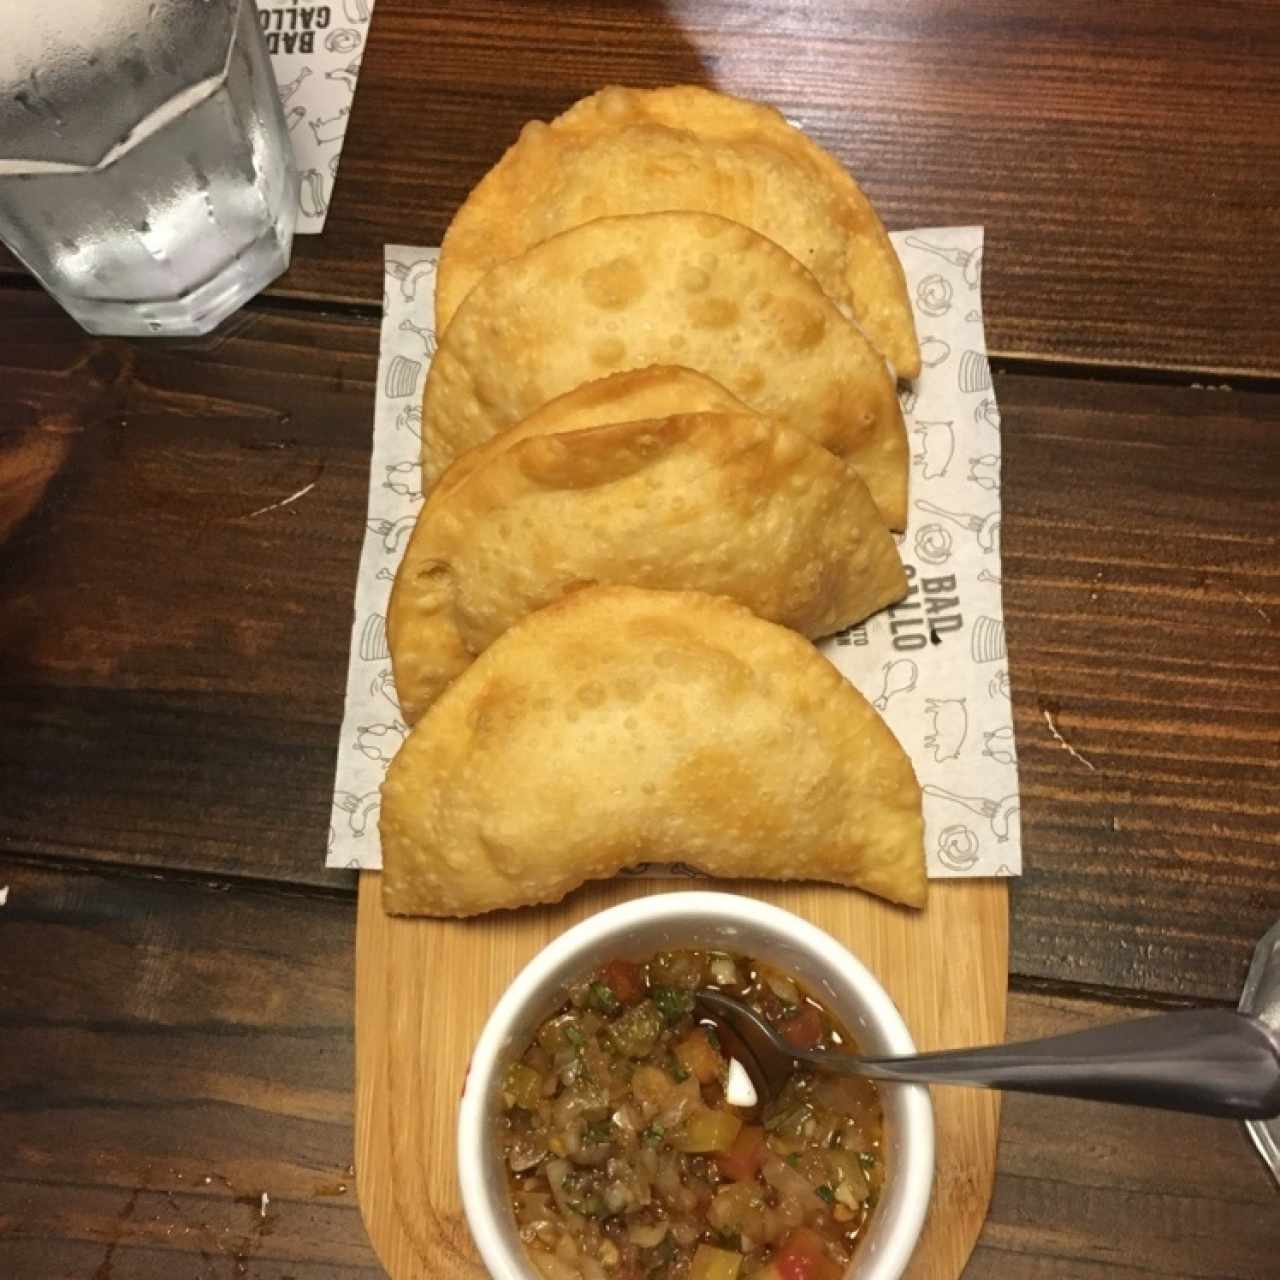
(1213, 1062)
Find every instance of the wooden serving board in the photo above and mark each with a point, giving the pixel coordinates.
(424, 989)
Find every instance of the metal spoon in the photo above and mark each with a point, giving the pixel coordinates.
(1213, 1062)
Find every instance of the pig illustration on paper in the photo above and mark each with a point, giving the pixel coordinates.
(330, 128)
(950, 727)
(937, 445)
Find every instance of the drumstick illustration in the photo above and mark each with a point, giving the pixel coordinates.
(899, 677)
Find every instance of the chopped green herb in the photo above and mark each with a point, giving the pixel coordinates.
(635, 1033)
(794, 1159)
(574, 1037)
(825, 1193)
(598, 1133)
(601, 998)
(652, 1135)
(673, 1003)
(677, 1071)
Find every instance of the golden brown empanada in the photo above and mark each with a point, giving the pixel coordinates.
(622, 725)
(687, 288)
(623, 151)
(655, 392)
(730, 504)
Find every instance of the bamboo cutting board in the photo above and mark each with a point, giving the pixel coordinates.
(424, 989)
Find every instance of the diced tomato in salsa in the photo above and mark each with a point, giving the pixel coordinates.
(626, 980)
(803, 1029)
(696, 1054)
(743, 1160)
(802, 1257)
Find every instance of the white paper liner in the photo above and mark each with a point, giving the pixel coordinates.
(935, 665)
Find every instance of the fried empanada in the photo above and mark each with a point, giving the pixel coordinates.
(730, 504)
(622, 725)
(687, 288)
(625, 151)
(655, 392)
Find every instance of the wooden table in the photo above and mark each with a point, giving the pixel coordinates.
(175, 964)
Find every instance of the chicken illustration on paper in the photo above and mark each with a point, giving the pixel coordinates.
(383, 685)
(900, 676)
(985, 528)
(950, 727)
(987, 411)
(380, 741)
(405, 479)
(330, 128)
(410, 419)
(999, 813)
(937, 446)
(998, 744)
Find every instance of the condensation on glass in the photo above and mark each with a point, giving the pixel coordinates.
(146, 174)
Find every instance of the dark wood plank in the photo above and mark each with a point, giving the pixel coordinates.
(171, 670)
(1122, 156)
(173, 631)
(174, 1053)
(171, 1054)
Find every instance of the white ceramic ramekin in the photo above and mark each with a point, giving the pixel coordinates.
(636, 930)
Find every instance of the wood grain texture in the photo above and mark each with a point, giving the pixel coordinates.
(156, 1034)
(184, 660)
(171, 1054)
(946, 968)
(1123, 157)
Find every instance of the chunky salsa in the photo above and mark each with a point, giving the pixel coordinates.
(626, 1161)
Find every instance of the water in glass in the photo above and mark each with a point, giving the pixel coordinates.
(146, 174)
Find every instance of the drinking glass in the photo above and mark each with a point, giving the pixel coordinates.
(146, 175)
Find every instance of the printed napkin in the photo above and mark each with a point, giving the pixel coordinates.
(935, 665)
(315, 51)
